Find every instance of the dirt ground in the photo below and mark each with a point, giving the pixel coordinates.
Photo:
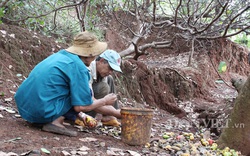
(20, 48)
(20, 137)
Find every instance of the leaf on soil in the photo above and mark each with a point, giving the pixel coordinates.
(115, 149)
(14, 139)
(12, 35)
(102, 144)
(82, 153)
(8, 154)
(84, 148)
(87, 139)
(74, 152)
(65, 153)
(12, 92)
(109, 152)
(3, 32)
(44, 150)
(56, 138)
(18, 75)
(8, 99)
(1, 116)
(17, 116)
(35, 152)
(2, 108)
(219, 81)
(222, 67)
(9, 110)
(133, 153)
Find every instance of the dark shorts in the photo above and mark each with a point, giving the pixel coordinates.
(72, 114)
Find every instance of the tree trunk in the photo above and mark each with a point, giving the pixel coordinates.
(236, 133)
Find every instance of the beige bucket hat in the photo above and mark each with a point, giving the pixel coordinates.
(86, 44)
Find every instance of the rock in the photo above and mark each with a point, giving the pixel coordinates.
(238, 83)
(65, 153)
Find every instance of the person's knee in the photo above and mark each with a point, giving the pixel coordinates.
(110, 79)
(101, 89)
(111, 84)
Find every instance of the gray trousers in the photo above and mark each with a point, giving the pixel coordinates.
(101, 89)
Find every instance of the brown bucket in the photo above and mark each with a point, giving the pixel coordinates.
(136, 125)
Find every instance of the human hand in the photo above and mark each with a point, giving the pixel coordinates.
(88, 121)
(110, 98)
(91, 122)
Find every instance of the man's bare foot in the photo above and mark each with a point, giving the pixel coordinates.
(110, 121)
(59, 122)
(107, 118)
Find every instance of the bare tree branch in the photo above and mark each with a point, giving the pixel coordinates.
(176, 12)
(158, 23)
(195, 20)
(232, 20)
(215, 19)
(54, 10)
(2, 4)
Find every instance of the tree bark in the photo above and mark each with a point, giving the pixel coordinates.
(236, 133)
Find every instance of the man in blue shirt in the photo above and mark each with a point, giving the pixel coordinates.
(59, 86)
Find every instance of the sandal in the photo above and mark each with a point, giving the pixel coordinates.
(112, 122)
(79, 122)
(58, 130)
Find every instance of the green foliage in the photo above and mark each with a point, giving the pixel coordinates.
(39, 15)
(222, 67)
(1, 14)
(243, 39)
